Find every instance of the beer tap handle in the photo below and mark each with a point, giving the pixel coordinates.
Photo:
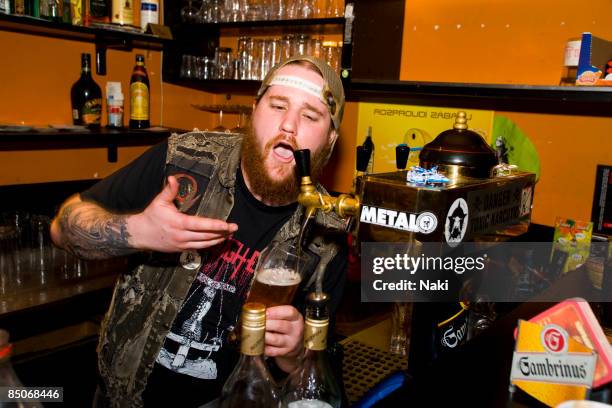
(402, 151)
(302, 162)
(363, 158)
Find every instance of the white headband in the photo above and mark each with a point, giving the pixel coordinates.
(299, 83)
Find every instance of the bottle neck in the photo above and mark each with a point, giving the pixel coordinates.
(252, 341)
(315, 333)
(85, 70)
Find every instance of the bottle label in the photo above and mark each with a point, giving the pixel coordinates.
(139, 101)
(76, 12)
(91, 111)
(309, 404)
(252, 340)
(122, 12)
(315, 334)
(453, 331)
(75, 114)
(115, 115)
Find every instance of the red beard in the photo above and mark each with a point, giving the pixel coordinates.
(276, 191)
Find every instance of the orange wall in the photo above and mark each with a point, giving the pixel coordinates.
(521, 42)
(38, 73)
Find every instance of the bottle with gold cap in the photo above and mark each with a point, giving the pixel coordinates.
(250, 384)
(313, 384)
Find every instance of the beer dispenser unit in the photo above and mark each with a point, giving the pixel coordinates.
(469, 198)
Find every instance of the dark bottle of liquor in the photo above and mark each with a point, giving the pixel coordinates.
(86, 97)
(97, 11)
(139, 96)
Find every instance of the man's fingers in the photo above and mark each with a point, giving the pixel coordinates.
(195, 223)
(275, 339)
(279, 326)
(284, 312)
(168, 194)
(203, 244)
(192, 236)
(272, 351)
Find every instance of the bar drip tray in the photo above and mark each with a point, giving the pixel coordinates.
(365, 366)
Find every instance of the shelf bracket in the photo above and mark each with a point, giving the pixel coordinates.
(112, 149)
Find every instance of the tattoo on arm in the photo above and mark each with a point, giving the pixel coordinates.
(91, 232)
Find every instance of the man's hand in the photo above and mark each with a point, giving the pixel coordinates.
(91, 232)
(284, 335)
(161, 227)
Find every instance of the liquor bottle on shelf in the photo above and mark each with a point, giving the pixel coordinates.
(139, 96)
(123, 12)
(96, 11)
(86, 97)
(313, 384)
(149, 13)
(76, 12)
(19, 7)
(250, 384)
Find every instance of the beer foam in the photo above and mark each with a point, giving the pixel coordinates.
(278, 277)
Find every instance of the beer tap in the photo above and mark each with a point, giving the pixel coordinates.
(344, 205)
(402, 151)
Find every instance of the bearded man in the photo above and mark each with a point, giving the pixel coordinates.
(197, 211)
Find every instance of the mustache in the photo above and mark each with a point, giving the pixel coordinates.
(289, 140)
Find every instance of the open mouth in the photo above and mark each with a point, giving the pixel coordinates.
(283, 151)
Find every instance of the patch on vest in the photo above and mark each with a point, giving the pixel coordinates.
(188, 188)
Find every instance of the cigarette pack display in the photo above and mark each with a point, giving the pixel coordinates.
(577, 318)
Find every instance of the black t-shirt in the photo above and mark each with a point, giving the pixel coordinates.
(195, 359)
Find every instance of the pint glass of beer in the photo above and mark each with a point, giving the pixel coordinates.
(278, 274)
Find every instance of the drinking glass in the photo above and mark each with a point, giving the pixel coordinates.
(292, 9)
(190, 13)
(279, 10)
(223, 62)
(217, 12)
(242, 120)
(286, 48)
(400, 328)
(279, 271)
(263, 60)
(234, 10)
(10, 275)
(255, 10)
(204, 13)
(334, 8)
(306, 9)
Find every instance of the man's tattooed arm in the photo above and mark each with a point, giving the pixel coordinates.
(91, 232)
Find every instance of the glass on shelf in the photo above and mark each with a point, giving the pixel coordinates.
(190, 13)
(242, 110)
(334, 8)
(234, 10)
(223, 62)
(217, 12)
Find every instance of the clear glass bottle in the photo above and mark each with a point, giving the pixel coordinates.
(313, 384)
(8, 378)
(250, 385)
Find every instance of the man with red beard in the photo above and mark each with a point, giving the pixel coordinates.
(196, 212)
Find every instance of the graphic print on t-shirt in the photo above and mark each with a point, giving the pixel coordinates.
(208, 315)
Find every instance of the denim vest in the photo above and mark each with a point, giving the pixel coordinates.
(146, 301)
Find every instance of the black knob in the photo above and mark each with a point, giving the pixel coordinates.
(363, 158)
(302, 162)
(402, 151)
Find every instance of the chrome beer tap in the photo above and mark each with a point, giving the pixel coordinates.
(345, 205)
